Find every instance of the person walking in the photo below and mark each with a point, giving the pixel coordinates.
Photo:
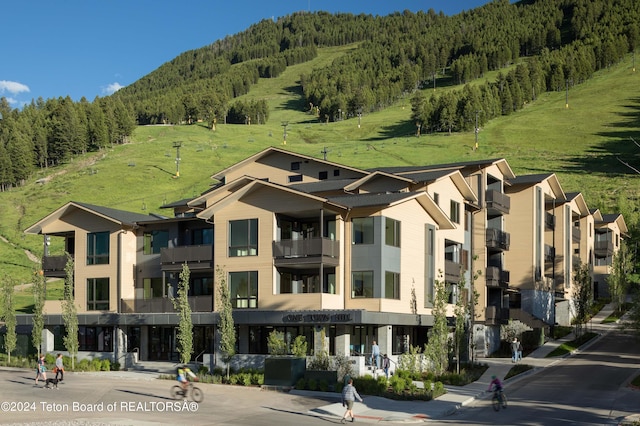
(375, 355)
(519, 354)
(386, 363)
(514, 350)
(41, 370)
(60, 367)
(349, 396)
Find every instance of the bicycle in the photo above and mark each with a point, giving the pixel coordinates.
(196, 394)
(499, 399)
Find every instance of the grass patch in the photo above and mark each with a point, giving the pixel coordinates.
(518, 369)
(571, 346)
(617, 314)
(560, 331)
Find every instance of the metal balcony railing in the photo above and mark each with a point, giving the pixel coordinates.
(497, 239)
(497, 200)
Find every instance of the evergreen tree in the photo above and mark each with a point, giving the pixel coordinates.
(70, 312)
(226, 326)
(437, 349)
(8, 311)
(38, 288)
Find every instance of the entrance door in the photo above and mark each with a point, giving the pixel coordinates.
(162, 344)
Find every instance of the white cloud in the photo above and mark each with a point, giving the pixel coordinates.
(13, 87)
(112, 88)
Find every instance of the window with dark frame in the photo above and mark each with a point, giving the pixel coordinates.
(98, 248)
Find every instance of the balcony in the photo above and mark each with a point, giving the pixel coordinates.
(496, 316)
(497, 239)
(164, 305)
(575, 234)
(496, 277)
(497, 201)
(307, 251)
(452, 271)
(549, 221)
(196, 257)
(53, 266)
(603, 248)
(549, 253)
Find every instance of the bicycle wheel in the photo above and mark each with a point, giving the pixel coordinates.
(504, 400)
(176, 392)
(196, 394)
(495, 401)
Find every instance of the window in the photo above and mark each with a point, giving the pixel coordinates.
(362, 284)
(95, 338)
(362, 230)
(243, 238)
(295, 178)
(323, 175)
(154, 241)
(336, 172)
(98, 248)
(391, 285)
(201, 286)
(295, 165)
(454, 214)
(202, 236)
(436, 198)
(243, 289)
(152, 287)
(98, 294)
(392, 232)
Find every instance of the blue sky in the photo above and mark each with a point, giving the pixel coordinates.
(91, 48)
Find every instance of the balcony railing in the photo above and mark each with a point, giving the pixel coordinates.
(603, 248)
(498, 239)
(165, 305)
(495, 315)
(496, 277)
(196, 257)
(452, 271)
(549, 253)
(549, 221)
(309, 250)
(497, 200)
(53, 266)
(575, 234)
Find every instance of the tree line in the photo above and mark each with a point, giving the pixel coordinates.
(544, 45)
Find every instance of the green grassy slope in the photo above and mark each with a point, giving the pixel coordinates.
(580, 143)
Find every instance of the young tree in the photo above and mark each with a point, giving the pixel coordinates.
(436, 349)
(461, 313)
(618, 280)
(583, 296)
(70, 313)
(38, 289)
(226, 326)
(9, 316)
(276, 344)
(185, 325)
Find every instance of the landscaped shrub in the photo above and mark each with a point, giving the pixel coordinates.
(83, 365)
(301, 383)
(397, 383)
(96, 364)
(105, 365)
(323, 386)
(257, 379)
(203, 369)
(115, 366)
(313, 385)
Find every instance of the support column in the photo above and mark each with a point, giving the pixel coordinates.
(385, 339)
(343, 340)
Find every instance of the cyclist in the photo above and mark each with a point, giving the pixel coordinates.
(184, 373)
(496, 384)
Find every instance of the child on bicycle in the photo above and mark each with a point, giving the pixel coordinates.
(496, 384)
(184, 373)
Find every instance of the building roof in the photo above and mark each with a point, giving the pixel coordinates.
(463, 165)
(322, 185)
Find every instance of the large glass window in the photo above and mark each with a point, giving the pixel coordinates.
(362, 230)
(203, 236)
(98, 248)
(392, 232)
(391, 285)
(95, 338)
(243, 289)
(201, 286)
(154, 241)
(243, 237)
(362, 284)
(98, 294)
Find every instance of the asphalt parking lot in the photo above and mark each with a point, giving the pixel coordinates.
(142, 399)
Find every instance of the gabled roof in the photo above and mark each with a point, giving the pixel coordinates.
(376, 175)
(273, 150)
(455, 176)
(618, 219)
(532, 180)
(246, 185)
(501, 163)
(395, 198)
(579, 201)
(322, 185)
(123, 218)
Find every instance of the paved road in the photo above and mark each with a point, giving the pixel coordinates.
(94, 399)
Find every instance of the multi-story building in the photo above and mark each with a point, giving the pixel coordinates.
(307, 247)
(609, 232)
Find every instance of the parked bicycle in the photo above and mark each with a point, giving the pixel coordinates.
(196, 394)
(499, 399)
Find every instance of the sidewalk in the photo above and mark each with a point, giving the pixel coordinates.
(377, 409)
